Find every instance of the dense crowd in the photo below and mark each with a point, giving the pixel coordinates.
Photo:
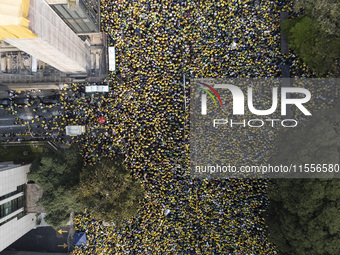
(157, 42)
(147, 123)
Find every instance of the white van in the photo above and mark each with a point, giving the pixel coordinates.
(75, 130)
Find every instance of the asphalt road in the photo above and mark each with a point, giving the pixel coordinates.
(42, 239)
(8, 127)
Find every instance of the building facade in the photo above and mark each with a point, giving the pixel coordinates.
(51, 41)
(15, 221)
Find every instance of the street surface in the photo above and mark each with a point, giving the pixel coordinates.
(17, 119)
(43, 239)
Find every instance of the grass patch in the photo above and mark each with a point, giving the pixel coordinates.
(21, 152)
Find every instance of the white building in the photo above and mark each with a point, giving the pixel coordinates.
(46, 36)
(57, 41)
(14, 220)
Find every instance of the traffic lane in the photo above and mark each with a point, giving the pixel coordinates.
(9, 129)
(33, 93)
(10, 98)
(43, 239)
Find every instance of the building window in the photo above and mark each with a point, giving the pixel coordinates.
(20, 188)
(18, 216)
(85, 19)
(11, 206)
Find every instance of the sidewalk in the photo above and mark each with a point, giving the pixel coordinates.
(37, 86)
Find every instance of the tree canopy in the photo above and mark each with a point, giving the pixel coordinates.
(304, 214)
(106, 189)
(109, 191)
(314, 36)
(325, 12)
(313, 141)
(57, 173)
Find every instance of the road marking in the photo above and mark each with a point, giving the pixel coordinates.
(63, 245)
(60, 231)
(11, 126)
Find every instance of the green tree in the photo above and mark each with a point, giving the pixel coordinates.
(304, 214)
(314, 141)
(326, 14)
(314, 46)
(109, 191)
(57, 173)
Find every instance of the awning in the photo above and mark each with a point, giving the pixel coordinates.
(80, 238)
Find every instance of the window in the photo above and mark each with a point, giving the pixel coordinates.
(11, 206)
(20, 188)
(18, 216)
(83, 20)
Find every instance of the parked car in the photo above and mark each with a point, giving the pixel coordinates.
(6, 102)
(21, 101)
(51, 100)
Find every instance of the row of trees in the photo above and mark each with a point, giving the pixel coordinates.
(304, 213)
(314, 36)
(106, 189)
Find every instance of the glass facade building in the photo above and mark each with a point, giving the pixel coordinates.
(14, 219)
(83, 19)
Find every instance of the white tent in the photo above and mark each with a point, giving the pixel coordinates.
(112, 58)
(75, 130)
(97, 88)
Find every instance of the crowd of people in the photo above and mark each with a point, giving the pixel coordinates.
(157, 44)
(147, 123)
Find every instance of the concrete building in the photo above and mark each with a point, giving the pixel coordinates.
(82, 16)
(15, 221)
(57, 41)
